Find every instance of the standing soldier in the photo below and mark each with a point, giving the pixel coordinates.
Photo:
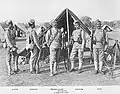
(53, 39)
(11, 48)
(99, 45)
(78, 37)
(33, 45)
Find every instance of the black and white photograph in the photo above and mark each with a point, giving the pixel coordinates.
(60, 45)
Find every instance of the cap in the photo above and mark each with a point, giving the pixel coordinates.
(31, 21)
(76, 22)
(98, 21)
(8, 22)
(53, 23)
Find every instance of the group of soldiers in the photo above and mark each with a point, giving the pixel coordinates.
(53, 40)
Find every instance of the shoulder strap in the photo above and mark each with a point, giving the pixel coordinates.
(30, 38)
(53, 37)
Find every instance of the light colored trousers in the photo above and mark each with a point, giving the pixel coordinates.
(34, 65)
(54, 59)
(98, 58)
(76, 49)
(11, 56)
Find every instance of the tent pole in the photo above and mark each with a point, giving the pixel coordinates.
(68, 31)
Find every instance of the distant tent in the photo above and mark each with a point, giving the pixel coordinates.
(4, 25)
(108, 28)
(22, 28)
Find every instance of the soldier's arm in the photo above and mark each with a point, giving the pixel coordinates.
(36, 39)
(106, 41)
(47, 37)
(72, 35)
(83, 39)
(7, 37)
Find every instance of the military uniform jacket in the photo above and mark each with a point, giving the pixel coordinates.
(76, 35)
(56, 43)
(100, 38)
(32, 38)
(10, 38)
(79, 38)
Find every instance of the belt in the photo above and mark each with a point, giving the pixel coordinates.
(78, 42)
(98, 41)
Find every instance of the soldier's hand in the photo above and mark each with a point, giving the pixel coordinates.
(14, 48)
(82, 49)
(106, 47)
(93, 41)
(44, 46)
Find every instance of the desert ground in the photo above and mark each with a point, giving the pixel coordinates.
(24, 78)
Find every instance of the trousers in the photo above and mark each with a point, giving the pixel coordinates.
(11, 56)
(34, 65)
(76, 49)
(98, 58)
(54, 59)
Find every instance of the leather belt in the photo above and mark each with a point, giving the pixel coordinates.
(78, 42)
(98, 41)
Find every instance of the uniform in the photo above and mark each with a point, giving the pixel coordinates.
(100, 39)
(34, 50)
(54, 48)
(78, 37)
(11, 54)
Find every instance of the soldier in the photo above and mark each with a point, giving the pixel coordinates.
(53, 39)
(33, 45)
(78, 37)
(99, 45)
(11, 48)
(41, 36)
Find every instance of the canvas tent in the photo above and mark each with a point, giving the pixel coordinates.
(65, 20)
(22, 28)
(108, 28)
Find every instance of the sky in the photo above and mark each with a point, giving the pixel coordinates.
(47, 10)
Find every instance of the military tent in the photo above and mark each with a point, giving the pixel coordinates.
(65, 20)
(22, 28)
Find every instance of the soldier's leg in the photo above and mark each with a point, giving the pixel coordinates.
(72, 56)
(95, 54)
(101, 58)
(32, 60)
(28, 56)
(80, 56)
(8, 61)
(57, 61)
(15, 60)
(52, 60)
(37, 62)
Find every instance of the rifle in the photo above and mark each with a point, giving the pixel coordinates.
(64, 49)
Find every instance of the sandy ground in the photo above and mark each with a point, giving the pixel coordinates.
(24, 78)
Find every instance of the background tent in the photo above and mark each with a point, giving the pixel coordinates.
(22, 28)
